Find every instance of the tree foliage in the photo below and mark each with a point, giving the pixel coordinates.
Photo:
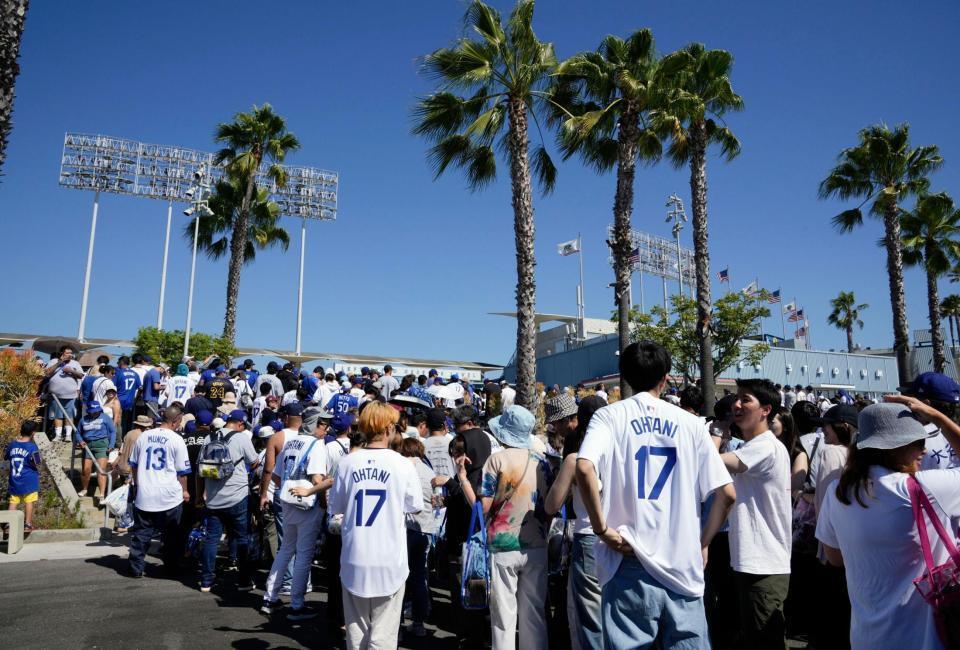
(734, 318)
(167, 345)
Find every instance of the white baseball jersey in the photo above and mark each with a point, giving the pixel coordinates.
(294, 453)
(658, 465)
(177, 389)
(374, 489)
(337, 449)
(158, 457)
(258, 405)
(100, 388)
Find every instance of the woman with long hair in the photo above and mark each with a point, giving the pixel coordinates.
(421, 531)
(584, 589)
(866, 523)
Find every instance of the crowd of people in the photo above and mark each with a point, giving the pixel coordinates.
(603, 522)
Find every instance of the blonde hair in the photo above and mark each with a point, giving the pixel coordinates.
(377, 420)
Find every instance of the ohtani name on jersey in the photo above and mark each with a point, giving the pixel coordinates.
(650, 424)
(370, 473)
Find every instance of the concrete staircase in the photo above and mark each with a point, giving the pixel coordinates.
(92, 514)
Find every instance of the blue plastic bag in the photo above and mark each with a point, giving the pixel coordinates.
(475, 578)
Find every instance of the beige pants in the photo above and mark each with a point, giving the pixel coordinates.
(518, 586)
(372, 623)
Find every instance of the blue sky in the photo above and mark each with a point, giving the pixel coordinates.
(412, 266)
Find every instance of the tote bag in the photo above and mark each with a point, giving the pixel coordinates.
(475, 579)
(298, 478)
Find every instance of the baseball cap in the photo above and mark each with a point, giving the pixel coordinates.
(346, 384)
(432, 373)
(436, 419)
(455, 377)
(294, 408)
(236, 415)
(272, 367)
(93, 406)
(264, 432)
(204, 417)
(889, 426)
(839, 413)
(935, 386)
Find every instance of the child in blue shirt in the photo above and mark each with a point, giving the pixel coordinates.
(24, 458)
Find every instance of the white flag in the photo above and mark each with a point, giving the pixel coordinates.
(569, 247)
(751, 289)
(789, 307)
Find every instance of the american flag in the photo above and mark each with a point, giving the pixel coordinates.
(724, 275)
(796, 316)
(773, 297)
(634, 257)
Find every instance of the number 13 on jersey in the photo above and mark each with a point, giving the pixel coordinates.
(642, 456)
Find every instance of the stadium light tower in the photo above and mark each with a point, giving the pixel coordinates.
(678, 217)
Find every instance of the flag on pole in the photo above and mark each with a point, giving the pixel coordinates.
(634, 257)
(569, 247)
(789, 307)
(751, 289)
(796, 316)
(802, 332)
(724, 275)
(773, 297)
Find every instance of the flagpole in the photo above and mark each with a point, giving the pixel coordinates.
(643, 308)
(756, 297)
(581, 333)
(783, 323)
(729, 280)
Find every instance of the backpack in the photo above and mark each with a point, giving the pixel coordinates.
(215, 461)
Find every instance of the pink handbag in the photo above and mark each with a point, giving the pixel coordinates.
(939, 585)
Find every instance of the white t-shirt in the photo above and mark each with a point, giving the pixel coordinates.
(374, 490)
(289, 397)
(437, 451)
(761, 522)
(658, 464)
(159, 456)
(507, 397)
(294, 451)
(61, 384)
(337, 449)
(939, 454)
(602, 394)
(881, 552)
(177, 389)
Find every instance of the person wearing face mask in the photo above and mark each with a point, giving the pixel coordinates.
(867, 525)
(761, 520)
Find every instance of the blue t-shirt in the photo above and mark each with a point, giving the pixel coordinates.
(98, 428)
(86, 388)
(128, 383)
(24, 460)
(309, 385)
(340, 405)
(208, 375)
(252, 376)
(149, 393)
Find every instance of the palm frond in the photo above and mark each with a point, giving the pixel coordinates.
(544, 170)
(848, 220)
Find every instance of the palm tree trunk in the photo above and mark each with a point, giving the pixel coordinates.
(13, 14)
(701, 256)
(622, 211)
(933, 307)
(238, 242)
(901, 332)
(850, 338)
(523, 228)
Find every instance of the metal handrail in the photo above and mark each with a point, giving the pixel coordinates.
(101, 472)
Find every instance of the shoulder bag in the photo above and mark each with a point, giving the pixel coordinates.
(299, 479)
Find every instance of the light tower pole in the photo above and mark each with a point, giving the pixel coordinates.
(678, 217)
(199, 194)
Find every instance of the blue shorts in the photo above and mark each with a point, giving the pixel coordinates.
(68, 412)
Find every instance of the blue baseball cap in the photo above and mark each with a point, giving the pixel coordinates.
(455, 377)
(935, 386)
(432, 373)
(204, 417)
(93, 406)
(293, 408)
(236, 415)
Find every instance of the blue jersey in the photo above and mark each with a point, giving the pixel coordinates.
(340, 405)
(98, 428)
(150, 394)
(252, 376)
(24, 460)
(207, 376)
(128, 383)
(86, 388)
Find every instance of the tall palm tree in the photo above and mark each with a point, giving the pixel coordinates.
(883, 168)
(263, 229)
(846, 315)
(13, 14)
(251, 140)
(694, 122)
(950, 308)
(606, 97)
(931, 238)
(502, 76)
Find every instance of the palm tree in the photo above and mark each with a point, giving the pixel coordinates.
(885, 169)
(263, 230)
(606, 97)
(250, 140)
(930, 234)
(950, 307)
(846, 315)
(503, 76)
(694, 122)
(13, 14)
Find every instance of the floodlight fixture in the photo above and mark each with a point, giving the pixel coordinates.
(189, 211)
(190, 192)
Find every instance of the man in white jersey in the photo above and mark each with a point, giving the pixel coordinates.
(374, 488)
(761, 522)
(178, 388)
(302, 456)
(160, 469)
(658, 465)
(942, 393)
